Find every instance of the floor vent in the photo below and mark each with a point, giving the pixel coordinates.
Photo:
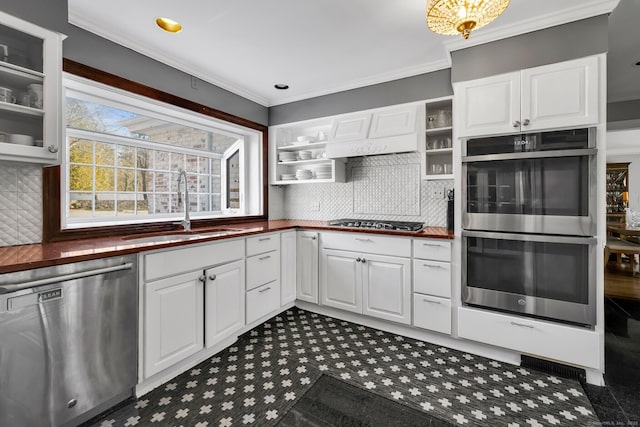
(553, 368)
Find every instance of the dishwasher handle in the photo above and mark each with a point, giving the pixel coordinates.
(5, 289)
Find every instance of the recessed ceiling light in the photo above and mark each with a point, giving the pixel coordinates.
(281, 86)
(169, 25)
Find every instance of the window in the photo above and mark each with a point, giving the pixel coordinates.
(124, 152)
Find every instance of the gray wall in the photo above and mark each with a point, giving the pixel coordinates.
(555, 44)
(624, 110)
(89, 49)
(416, 88)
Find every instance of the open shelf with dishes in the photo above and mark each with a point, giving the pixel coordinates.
(298, 154)
(30, 91)
(437, 152)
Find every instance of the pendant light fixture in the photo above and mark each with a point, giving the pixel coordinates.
(450, 17)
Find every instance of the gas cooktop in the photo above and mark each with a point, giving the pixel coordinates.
(377, 225)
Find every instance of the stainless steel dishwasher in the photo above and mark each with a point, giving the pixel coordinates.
(68, 341)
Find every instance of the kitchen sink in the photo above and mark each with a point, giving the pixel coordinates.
(182, 236)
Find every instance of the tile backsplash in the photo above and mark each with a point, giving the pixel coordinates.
(20, 204)
(377, 187)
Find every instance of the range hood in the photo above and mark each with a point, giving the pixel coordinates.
(384, 131)
(373, 146)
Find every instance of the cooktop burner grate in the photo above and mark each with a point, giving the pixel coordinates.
(376, 224)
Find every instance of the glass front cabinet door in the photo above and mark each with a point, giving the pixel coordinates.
(30, 92)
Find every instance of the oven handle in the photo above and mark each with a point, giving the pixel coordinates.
(532, 237)
(530, 155)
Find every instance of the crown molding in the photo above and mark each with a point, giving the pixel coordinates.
(486, 35)
(369, 80)
(92, 27)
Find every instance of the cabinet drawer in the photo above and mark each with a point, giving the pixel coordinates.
(172, 262)
(434, 249)
(368, 243)
(263, 243)
(563, 343)
(432, 313)
(262, 301)
(432, 278)
(262, 269)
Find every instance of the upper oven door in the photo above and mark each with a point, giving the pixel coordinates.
(547, 186)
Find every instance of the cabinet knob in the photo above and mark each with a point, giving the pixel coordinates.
(313, 237)
(363, 260)
(358, 259)
(525, 122)
(516, 124)
(52, 149)
(212, 277)
(202, 278)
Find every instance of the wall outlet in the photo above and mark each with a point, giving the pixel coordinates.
(315, 206)
(438, 193)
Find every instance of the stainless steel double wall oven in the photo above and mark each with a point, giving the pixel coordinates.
(529, 221)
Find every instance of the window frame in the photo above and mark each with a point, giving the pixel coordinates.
(54, 188)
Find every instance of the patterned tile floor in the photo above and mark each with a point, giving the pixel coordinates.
(260, 379)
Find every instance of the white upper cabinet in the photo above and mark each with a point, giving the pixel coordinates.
(546, 97)
(396, 121)
(488, 106)
(350, 128)
(30, 92)
(560, 95)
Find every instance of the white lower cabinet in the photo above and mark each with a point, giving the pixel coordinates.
(432, 285)
(432, 313)
(386, 287)
(262, 301)
(307, 266)
(288, 268)
(173, 320)
(224, 301)
(263, 276)
(375, 285)
(570, 344)
(341, 280)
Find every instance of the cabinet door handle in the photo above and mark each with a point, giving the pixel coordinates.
(516, 124)
(264, 290)
(262, 258)
(432, 266)
(202, 278)
(522, 325)
(363, 240)
(212, 277)
(309, 237)
(525, 122)
(433, 245)
(431, 302)
(263, 239)
(52, 149)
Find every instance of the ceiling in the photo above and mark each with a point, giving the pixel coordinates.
(317, 46)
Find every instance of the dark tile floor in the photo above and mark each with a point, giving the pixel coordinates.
(301, 368)
(619, 402)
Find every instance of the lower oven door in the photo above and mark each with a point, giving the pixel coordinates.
(552, 277)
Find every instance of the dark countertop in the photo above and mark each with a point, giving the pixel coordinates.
(24, 257)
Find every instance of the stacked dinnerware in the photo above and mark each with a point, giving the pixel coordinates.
(288, 176)
(323, 172)
(304, 154)
(303, 174)
(287, 156)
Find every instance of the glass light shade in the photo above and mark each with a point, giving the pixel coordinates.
(450, 17)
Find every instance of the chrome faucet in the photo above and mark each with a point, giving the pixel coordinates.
(186, 222)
